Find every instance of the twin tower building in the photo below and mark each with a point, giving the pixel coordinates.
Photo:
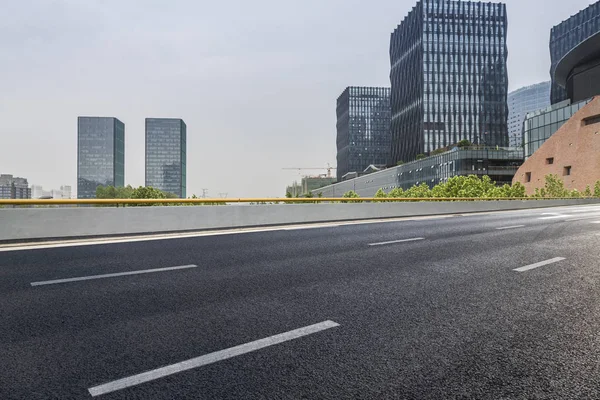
(101, 155)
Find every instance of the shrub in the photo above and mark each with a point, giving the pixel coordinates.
(597, 189)
(396, 193)
(587, 192)
(420, 156)
(351, 194)
(380, 194)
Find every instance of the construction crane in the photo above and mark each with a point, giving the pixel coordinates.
(329, 168)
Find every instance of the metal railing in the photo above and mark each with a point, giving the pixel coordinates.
(220, 201)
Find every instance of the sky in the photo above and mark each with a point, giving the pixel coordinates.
(255, 81)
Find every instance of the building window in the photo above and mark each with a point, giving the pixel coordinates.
(591, 120)
(527, 177)
(567, 171)
(550, 160)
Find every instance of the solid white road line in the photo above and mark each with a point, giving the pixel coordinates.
(88, 278)
(396, 241)
(310, 227)
(539, 264)
(209, 358)
(151, 237)
(510, 227)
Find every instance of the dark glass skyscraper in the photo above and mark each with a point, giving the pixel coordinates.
(363, 129)
(100, 154)
(566, 36)
(449, 77)
(166, 155)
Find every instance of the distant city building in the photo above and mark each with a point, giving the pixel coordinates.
(520, 102)
(308, 184)
(564, 39)
(66, 192)
(449, 77)
(166, 169)
(363, 129)
(571, 153)
(500, 164)
(38, 192)
(12, 187)
(100, 154)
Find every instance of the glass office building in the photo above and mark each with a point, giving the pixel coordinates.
(448, 77)
(100, 154)
(363, 129)
(566, 36)
(500, 164)
(521, 102)
(166, 155)
(541, 124)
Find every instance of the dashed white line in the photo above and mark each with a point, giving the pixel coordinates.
(539, 264)
(510, 227)
(396, 241)
(209, 358)
(88, 278)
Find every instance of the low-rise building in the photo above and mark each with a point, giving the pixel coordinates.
(309, 184)
(572, 153)
(499, 163)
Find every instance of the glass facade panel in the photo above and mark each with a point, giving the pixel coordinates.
(551, 118)
(166, 155)
(567, 35)
(363, 129)
(100, 154)
(449, 77)
(521, 102)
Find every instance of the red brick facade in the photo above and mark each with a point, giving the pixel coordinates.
(572, 153)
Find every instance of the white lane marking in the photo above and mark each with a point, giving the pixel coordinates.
(557, 216)
(311, 227)
(396, 241)
(147, 238)
(88, 278)
(539, 264)
(596, 222)
(510, 227)
(580, 219)
(209, 358)
(581, 216)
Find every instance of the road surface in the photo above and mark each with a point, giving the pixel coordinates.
(488, 306)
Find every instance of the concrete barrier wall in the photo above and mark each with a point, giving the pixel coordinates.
(44, 223)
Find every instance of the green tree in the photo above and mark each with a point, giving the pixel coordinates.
(148, 192)
(464, 143)
(400, 163)
(420, 156)
(380, 194)
(351, 194)
(421, 191)
(320, 195)
(288, 194)
(597, 189)
(438, 151)
(396, 193)
(587, 192)
(555, 187)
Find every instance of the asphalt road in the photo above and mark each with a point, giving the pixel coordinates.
(489, 306)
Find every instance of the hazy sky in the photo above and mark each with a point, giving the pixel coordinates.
(256, 81)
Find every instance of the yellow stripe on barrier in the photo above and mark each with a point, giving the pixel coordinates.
(31, 202)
